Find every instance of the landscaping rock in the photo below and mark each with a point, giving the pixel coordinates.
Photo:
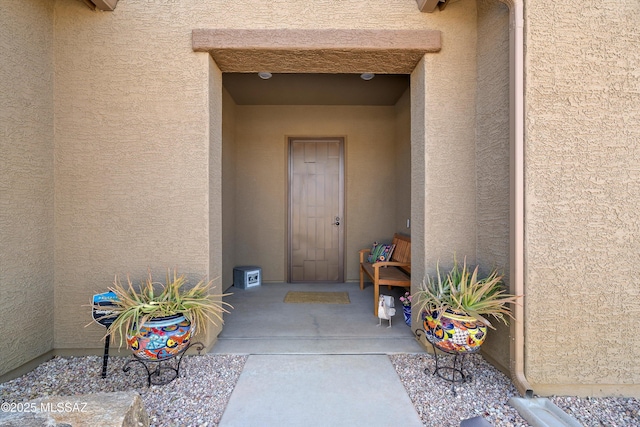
(118, 409)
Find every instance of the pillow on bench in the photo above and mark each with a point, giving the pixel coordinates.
(380, 252)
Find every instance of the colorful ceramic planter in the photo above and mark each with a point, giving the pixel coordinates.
(406, 310)
(454, 333)
(161, 338)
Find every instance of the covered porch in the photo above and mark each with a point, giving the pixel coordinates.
(262, 323)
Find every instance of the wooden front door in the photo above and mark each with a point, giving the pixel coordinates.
(316, 209)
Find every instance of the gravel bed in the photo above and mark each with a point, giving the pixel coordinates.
(197, 398)
(601, 411)
(200, 395)
(487, 395)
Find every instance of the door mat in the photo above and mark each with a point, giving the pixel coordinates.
(317, 297)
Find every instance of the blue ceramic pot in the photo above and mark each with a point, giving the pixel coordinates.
(406, 310)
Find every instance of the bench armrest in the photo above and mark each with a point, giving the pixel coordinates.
(362, 252)
(390, 263)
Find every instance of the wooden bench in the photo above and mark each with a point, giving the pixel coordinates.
(396, 272)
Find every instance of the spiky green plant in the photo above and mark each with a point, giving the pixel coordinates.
(462, 292)
(154, 299)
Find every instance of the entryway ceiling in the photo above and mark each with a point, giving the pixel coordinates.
(315, 89)
(316, 67)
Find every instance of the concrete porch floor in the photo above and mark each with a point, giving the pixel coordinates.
(261, 323)
(315, 364)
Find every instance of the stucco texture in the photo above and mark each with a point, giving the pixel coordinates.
(117, 166)
(443, 147)
(26, 181)
(133, 134)
(131, 155)
(403, 163)
(228, 188)
(492, 157)
(214, 201)
(582, 187)
(450, 176)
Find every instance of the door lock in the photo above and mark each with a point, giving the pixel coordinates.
(337, 221)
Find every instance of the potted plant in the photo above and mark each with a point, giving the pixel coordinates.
(158, 320)
(406, 307)
(455, 306)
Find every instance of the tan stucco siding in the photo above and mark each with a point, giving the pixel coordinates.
(132, 154)
(449, 152)
(132, 139)
(403, 163)
(418, 179)
(443, 94)
(261, 178)
(135, 144)
(492, 156)
(26, 181)
(127, 133)
(582, 192)
(319, 14)
(229, 161)
(216, 145)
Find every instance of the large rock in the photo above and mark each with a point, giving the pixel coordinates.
(121, 409)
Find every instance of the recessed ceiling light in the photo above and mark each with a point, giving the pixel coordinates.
(367, 76)
(264, 75)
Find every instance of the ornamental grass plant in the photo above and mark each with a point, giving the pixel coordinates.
(152, 299)
(462, 292)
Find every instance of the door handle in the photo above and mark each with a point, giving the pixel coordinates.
(337, 221)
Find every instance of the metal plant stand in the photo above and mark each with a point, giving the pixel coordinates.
(161, 372)
(456, 369)
(454, 373)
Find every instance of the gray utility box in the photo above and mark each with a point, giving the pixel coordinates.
(247, 277)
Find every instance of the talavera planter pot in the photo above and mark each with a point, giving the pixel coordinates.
(454, 333)
(161, 338)
(406, 311)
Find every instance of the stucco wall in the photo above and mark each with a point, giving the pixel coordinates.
(261, 178)
(449, 141)
(216, 146)
(132, 138)
(229, 160)
(492, 156)
(403, 163)
(26, 181)
(418, 182)
(132, 135)
(582, 188)
(443, 94)
(132, 154)
(132, 161)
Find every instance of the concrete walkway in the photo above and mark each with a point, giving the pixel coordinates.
(315, 364)
(319, 390)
